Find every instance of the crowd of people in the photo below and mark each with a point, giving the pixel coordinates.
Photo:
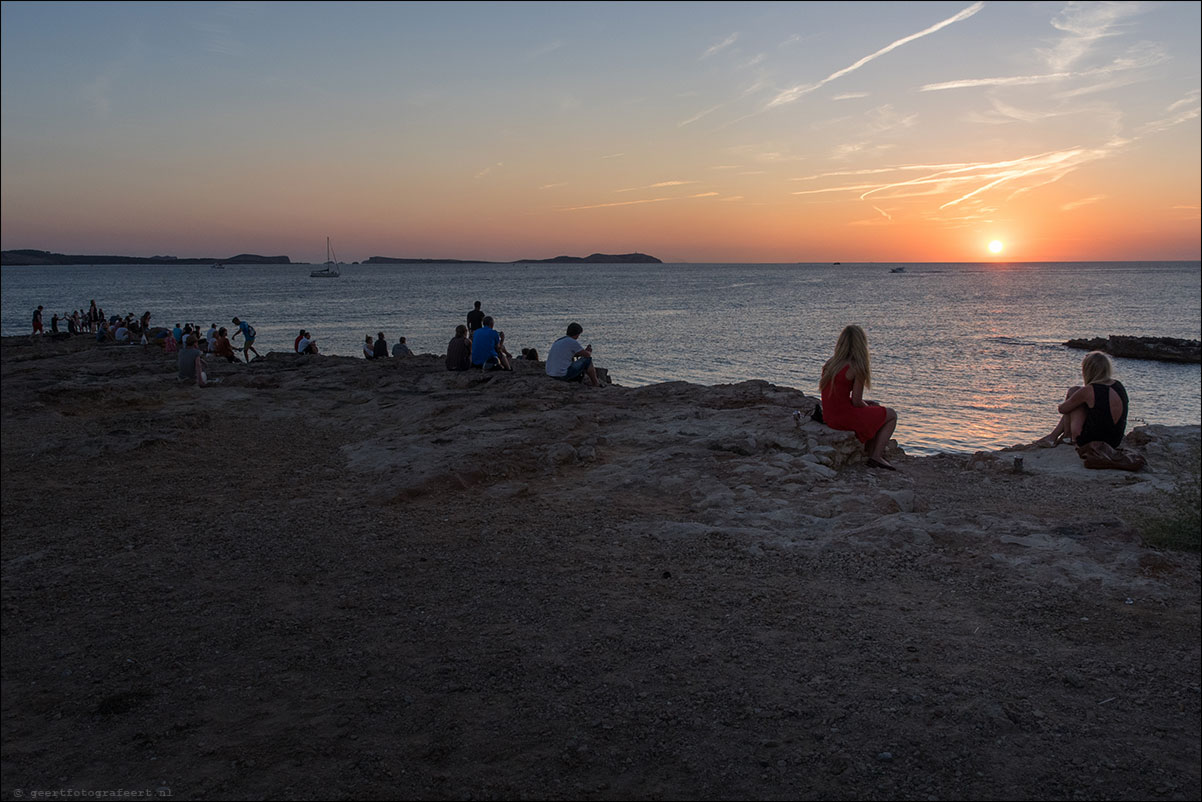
(1093, 412)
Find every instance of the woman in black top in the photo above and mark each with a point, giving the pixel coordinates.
(1097, 411)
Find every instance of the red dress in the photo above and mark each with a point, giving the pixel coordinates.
(838, 412)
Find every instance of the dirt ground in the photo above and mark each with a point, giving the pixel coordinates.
(216, 607)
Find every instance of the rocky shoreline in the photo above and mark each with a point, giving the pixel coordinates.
(1162, 349)
(332, 578)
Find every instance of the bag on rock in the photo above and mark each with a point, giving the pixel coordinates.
(1100, 456)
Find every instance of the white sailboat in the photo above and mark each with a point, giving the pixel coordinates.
(330, 268)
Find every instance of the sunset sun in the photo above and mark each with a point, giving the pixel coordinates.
(996, 246)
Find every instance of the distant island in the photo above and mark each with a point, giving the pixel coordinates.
(31, 257)
(596, 258)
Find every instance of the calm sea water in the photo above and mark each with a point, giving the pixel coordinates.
(969, 354)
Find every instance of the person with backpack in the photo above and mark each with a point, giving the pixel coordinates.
(248, 336)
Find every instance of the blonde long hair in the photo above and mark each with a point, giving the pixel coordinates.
(851, 349)
(1096, 367)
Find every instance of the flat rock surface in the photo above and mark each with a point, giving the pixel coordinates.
(333, 578)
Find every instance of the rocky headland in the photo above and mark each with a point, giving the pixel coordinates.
(595, 258)
(33, 257)
(1163, 349)
(328, 577)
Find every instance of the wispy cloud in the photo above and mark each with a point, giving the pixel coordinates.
(637, 202)
(489, 169)
(542, 50)
(884, 213)
(698, 116)
(1138, 57)
(659, 185)
(1077, 204)
(1086, 24)
(613, 156)
(1189, 99)
(968, 182)
(554, 186)
(720, 46)
(790, 95)
(850, 96)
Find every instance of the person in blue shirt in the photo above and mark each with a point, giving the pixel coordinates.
(486, 353)
(248, 334)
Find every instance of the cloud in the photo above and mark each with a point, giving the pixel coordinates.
(1191, 98)
(636, 202)
(967, 183)
(1086, 24)
(725, 43)
(658, 185)
(489, 169)
(790, 95)
(1137, 57)
(543, 50)
(1077, 204)
(850, 96)
(554, 186)
(614, 156)
(698, 116)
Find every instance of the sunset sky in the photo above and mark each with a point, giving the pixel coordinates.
(697, 132)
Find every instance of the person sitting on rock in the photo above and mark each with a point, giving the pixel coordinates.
(568, 361)
(189, 369)
(459, 350)
(380, 350)
(224, 348)
(306, 344)
(401, 349)
(1096, 411)
(369, 351)
(484, 348)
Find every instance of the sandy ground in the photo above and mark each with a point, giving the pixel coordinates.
(216, 594)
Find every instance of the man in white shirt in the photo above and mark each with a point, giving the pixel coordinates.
(568, 361)
(306, 345)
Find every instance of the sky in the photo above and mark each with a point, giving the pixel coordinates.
(695, 132)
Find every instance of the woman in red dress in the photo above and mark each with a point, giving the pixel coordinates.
(844, 377)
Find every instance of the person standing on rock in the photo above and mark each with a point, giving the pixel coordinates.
(844, 378)
(568, 361)
(475, 320)
(37, 321)
(248, 338)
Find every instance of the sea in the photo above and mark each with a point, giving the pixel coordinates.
(971, 355)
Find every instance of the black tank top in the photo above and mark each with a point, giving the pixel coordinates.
(1099, 425)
